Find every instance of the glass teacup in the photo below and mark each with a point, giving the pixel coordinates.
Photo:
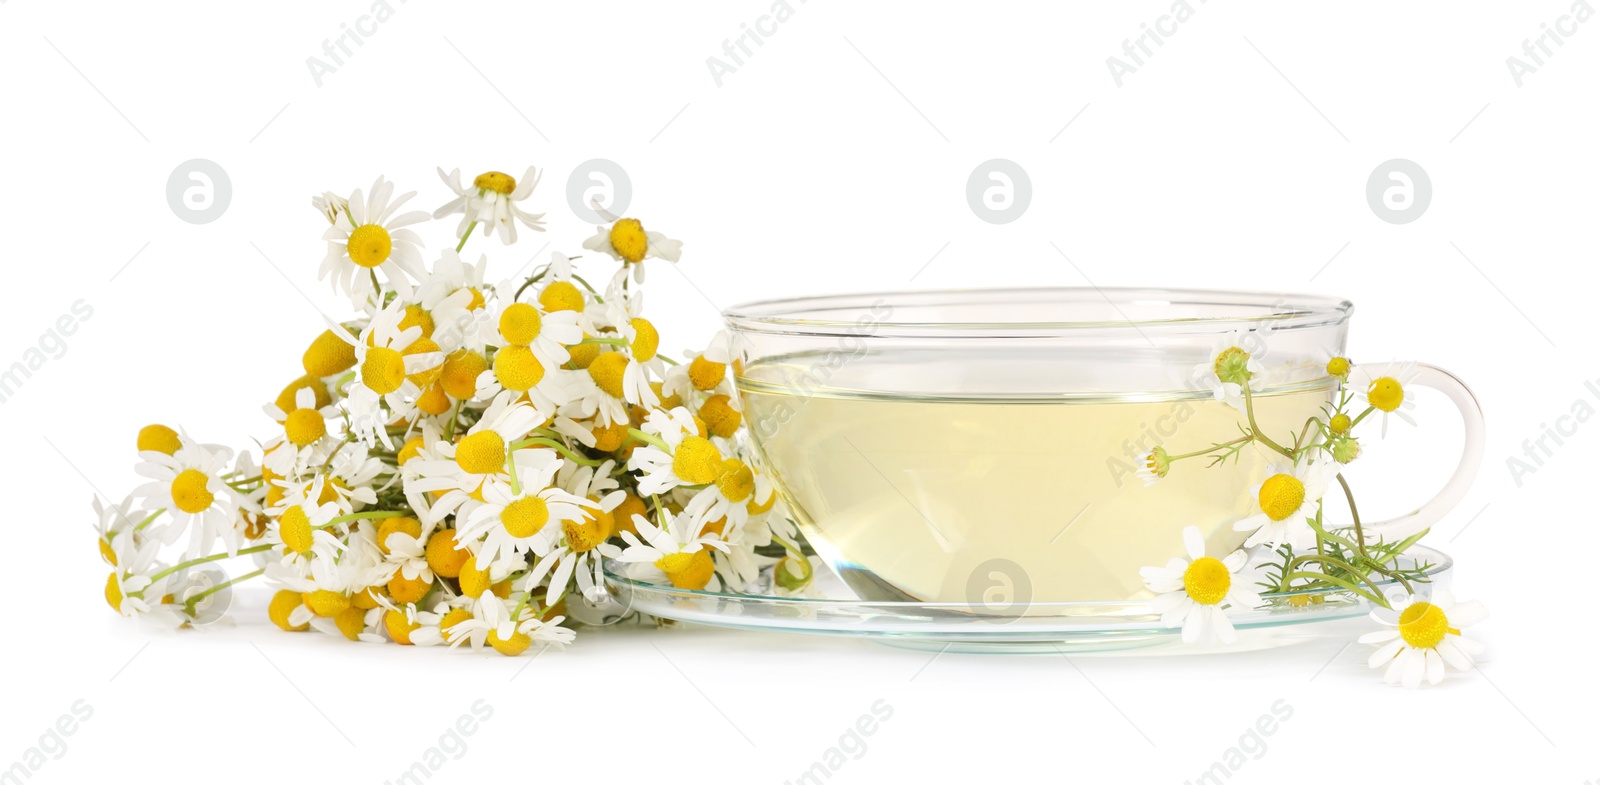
(985, 446)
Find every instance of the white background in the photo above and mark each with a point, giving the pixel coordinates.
(835, 158)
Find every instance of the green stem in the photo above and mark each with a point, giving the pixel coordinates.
(612, 341)
(355, 516)
(1255, 430)
(1341, 583)
(558, 447)
(195, 600)
(1213, 448)
(1360, 417)
(650, 440)
(465, 235)
(147, 521)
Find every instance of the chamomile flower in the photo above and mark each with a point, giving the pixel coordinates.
(1285, 500)
(1234, 365)
(526, 330)
(330, 205)
(514, 515)
(492, 201)
(512, 637)
(480, 455)
(392, 366)
(627, 241)
(298, 533)
(1153, 465)
(727, 497)
(112, 521)
(680, 457)
(1423, 637)
(328, 586)
(130, 581)
(1193, 592)
(1386, 388)
(678, 550)
(573, 551)
(372, 238)
(188, 483)
(304, 427)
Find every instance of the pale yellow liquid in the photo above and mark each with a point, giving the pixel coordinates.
(915, 498)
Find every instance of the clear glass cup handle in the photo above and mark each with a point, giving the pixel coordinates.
(1471, 456)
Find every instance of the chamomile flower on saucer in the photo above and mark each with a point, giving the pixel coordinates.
(681, 456)
(727, 497)
(514, 514)
(679, 550)
(1193, 592)
(1285, 500)
(1386, 388)
(370, 239)
(492, 201)
(627, 241)
(1423, 637)
(189, 484)
(1234, 365)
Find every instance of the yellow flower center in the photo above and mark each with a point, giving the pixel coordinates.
(736, 481)
(107, 553)
(433, 400)
(159, 438)
(687, 570)
(1281, 495)
(451, 619)
(304, 426)
(319, 391)
(404, 590)
(474, 582)
(1233, 365)
(328, 355)
(720, 417)
(587, 535)
(384, 370)
(696, 461)
(294, 528)
(283, 603)
(561, 296)
(511, 647)
(351, 622)
(369, 245)
(416, 317)
(499, 182)
(444, 558)
(189, 492)
(646, 341)
(607, 371)
(1385, 393)
(582, 355)
(461, 370)
(330, 490)
(517, 369)
(114, 592)
(1207, 580)
(399, 627)
(1339, 366)
(525, 517)
(1339, 423)
(1423, 625)
(426, 377)
(476, 301)
(608, 438)
(629, 240)
(705, 374)
(326, 603)
(408, 526)
(411, 449)
(483, 452)
(520, 323)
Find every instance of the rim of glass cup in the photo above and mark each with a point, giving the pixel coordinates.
(859, 313)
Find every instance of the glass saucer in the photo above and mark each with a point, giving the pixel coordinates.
(1069, 627)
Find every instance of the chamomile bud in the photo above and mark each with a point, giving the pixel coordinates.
(1154, 466)
(1346, 449)
(791, 573)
